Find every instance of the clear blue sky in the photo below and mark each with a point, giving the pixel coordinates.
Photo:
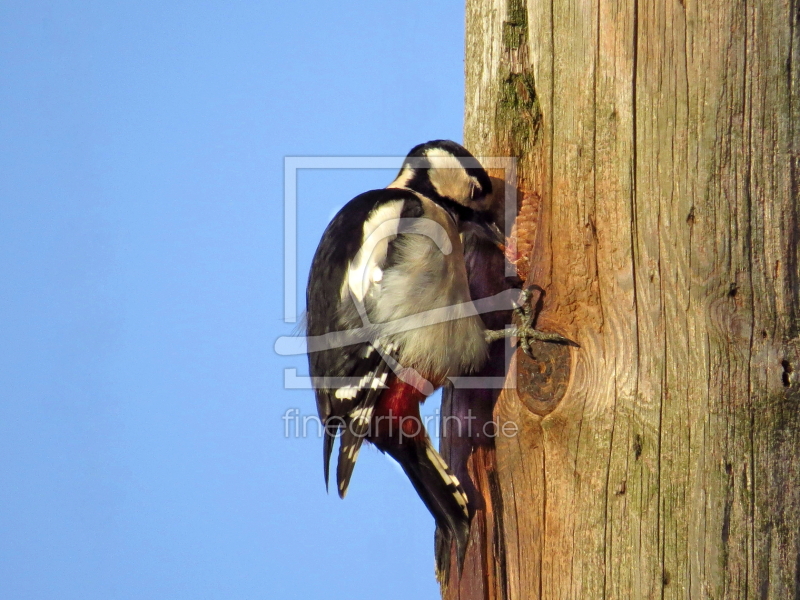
(142, 452)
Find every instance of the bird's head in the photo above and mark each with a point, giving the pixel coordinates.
(448, 174)
(442, 169)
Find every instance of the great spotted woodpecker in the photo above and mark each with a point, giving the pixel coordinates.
(388, 290)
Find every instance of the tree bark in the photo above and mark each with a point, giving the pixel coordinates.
(658, 176)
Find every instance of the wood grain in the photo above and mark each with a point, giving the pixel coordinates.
(659, 154)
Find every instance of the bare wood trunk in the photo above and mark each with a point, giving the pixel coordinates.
(659, 147)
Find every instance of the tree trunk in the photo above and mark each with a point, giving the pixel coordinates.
(658, 182)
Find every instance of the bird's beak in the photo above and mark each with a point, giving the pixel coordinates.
(496, 236)
(488, 230)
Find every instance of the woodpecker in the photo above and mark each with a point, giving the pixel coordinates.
(388, 290)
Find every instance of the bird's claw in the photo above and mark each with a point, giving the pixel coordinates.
(526, 331)
(524, 310)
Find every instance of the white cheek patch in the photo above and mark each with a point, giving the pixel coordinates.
(448, 176)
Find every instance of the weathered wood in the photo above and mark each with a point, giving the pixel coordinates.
(659, 161)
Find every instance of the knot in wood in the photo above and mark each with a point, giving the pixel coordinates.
(542, 380)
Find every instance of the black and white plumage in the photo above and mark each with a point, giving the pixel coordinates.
(391, 264)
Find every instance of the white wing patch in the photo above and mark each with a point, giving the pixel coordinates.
(368, 381)
(346, 393)
(379, 229)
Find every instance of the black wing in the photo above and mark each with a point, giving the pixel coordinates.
(348, 379)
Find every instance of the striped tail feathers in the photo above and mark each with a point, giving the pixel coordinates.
(332, 427)
(350, 415)
(355, 429)
(438, 488)
(356, 424)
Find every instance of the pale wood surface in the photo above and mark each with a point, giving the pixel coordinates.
(659, 147)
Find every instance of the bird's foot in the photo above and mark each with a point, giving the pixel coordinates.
(525, 331)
